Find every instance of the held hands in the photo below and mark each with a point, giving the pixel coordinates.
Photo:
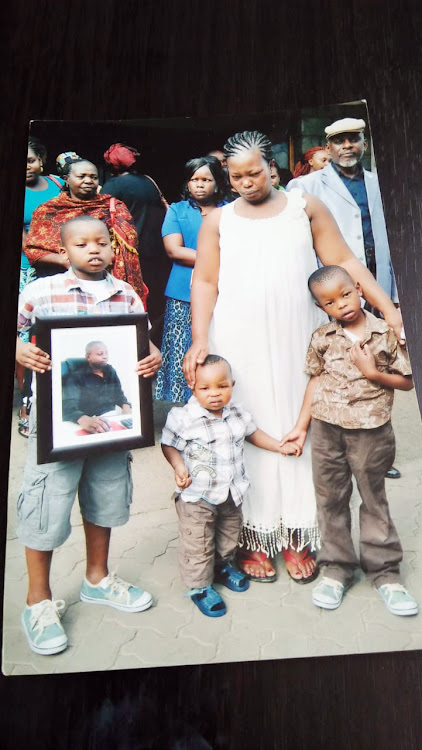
(193, 357)
(290, 448)
(364, 360)
(93, 424)
(149, 365)
(31, 357)
(295, 437)
(181, 476)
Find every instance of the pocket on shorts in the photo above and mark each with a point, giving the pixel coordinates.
(33, 505)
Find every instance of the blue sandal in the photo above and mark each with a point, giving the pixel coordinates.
(209, 602)
(232, 578)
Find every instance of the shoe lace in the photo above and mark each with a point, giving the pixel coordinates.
(392, 587)
(48, 614)
(117, 585)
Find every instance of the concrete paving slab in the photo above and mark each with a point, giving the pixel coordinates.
(269, 621)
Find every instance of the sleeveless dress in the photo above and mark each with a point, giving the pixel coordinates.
(262, 323)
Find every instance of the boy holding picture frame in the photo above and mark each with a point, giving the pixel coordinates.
(103, 482)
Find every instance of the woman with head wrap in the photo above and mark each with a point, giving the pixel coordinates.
(77, 199)
(314, 159)
(147, 207)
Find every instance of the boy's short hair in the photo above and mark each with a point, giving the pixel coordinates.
(213, 359)
(75, 219)
(89, 347)
(326, 273)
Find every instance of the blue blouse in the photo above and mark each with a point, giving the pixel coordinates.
(33, 199)
(181, 218)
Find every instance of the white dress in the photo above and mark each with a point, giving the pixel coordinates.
(262, 323)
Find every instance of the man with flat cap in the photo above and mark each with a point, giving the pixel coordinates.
(352, 195)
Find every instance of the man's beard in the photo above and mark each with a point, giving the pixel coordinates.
(348, 161)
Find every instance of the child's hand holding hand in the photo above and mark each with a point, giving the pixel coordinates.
(290, 448)
(181, 476)
(31, 357)
(364, 360)
(149, 366)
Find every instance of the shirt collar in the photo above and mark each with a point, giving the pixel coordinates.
(197, 411)
(358, 176)
(73, 282)
(373, 325)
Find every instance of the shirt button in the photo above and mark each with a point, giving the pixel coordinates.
(359, 237)
(357, 216)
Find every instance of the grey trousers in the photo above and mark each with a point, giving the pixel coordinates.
(337, 453)
(208, 537)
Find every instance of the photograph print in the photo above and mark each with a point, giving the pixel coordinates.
(95, 393)
(269, 603)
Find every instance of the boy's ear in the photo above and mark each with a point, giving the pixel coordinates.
(318, 305)
(62, 250)
(359, 289)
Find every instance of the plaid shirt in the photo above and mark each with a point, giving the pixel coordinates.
(63, 294)
(212, 450)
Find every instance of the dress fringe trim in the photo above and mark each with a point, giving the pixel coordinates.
(272, 542)
(118, 239)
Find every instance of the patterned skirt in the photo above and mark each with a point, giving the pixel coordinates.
(177, 338)
(27, 274)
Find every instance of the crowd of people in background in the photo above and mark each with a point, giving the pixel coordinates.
(223, 274)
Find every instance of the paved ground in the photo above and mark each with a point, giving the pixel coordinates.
(267, 622)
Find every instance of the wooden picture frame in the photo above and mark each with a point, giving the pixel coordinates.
(65, 339)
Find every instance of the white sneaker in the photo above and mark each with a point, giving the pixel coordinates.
(42, 627)
(328, 594)
(398, 600)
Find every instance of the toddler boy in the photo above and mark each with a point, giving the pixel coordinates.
(355, 363)
(103, 482)
(203, 442)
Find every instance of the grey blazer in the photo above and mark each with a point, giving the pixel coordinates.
(326, 185)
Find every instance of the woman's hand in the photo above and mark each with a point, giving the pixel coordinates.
(149, 366)
(194, 357)
(31, 357)
(297, 435)
(395, 321)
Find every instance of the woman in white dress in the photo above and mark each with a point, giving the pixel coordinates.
(251, 304)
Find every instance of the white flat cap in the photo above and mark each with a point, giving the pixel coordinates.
(346, 125)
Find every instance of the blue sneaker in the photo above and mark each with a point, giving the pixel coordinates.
(398, 600)
(42, 627)
(209, 602)
(329, 593)
(114, 592)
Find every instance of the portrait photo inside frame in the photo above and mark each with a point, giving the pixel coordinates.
(93, 376)
(278, 621)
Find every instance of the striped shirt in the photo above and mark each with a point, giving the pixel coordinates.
(64, 294)
(212, 450)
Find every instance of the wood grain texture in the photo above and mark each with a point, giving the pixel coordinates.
(135, 59)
